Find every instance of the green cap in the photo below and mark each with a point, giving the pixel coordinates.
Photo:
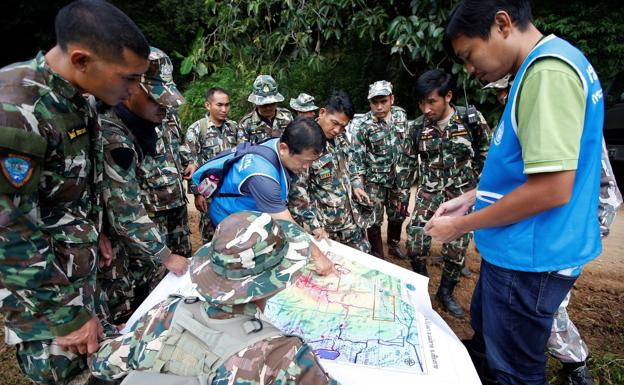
(379, 88)
(303, 103)
(265, 91)
(250, 257)
(158, 80)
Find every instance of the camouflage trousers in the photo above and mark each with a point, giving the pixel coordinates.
(419, 244)
(565, 343)
(353, 237)
(45, 363)
(206, 228)
(122, 280)
(384, 197)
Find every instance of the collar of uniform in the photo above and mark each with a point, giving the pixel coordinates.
(213, 124)
(257, 118)
(56, 82)
(453, 118)
(228, 311)
(375, 119)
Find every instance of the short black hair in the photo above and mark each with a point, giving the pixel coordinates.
(304, 134)
(214, 90)
(430, 81)
(101, 26)
(474, 18)
(339, 101)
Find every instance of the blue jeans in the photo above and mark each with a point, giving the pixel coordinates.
(512, 314)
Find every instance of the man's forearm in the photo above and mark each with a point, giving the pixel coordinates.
(540, 193)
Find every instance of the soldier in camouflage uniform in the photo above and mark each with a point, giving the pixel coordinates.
(138, 246)
(448, 154)
(323, 196)
(378, 137)
(161, 173)
(267, 120)
(235, 294)
(206, 138)
(50, 209)
(304, 106)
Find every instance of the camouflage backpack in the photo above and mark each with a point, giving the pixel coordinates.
(196, 345)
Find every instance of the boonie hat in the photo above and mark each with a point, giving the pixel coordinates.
(500, 83)
(158, 80)
(264, 91)
(250, 257)
(303, 103)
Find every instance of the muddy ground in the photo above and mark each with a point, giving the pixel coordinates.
(597, 308)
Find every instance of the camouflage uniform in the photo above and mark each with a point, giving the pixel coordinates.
(377, 147)
(138, 245)
(447, 167)
(50, 216)
(252, 127)
(162, 191)
(272, 358)
(322, 196)
(565, 343)
(206, 140)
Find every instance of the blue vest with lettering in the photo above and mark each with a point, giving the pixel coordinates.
(559, 238)
(246, 167)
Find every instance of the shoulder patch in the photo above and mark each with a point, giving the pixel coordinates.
(122, 157)
(77, 132)
(17, 169)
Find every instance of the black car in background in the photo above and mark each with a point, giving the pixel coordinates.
(614, 126)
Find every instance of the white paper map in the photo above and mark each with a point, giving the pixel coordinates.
(372, 325)
(358, 318)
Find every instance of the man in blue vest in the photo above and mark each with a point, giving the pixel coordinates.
(536, 222)
(254, 183)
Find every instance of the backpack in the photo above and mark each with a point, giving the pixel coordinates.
(209, 177)
(469, 118)
(196, 346)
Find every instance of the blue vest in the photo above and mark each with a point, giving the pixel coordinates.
(246, 167)
(563, 237)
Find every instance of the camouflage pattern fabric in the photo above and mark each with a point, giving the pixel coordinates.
(46, 363)
(447, 166)
(277, 360)
(419, 244)
(252, 128)
(132, 233)
(610, 198)
(353, 237)
(161, 175)
(251, 257)
(444, 160)
(50, 210)
(322, 197)
(565, 343)
(206, 140)
(48, 223)
(379, 88)
(377, 146)
(303, 103)
(157, 81)
(264, 91)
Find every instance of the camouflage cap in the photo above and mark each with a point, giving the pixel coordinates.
(303, 103)
(265, 91)
(250, 257)
(379, 88)
(500, 84)
(158, 80)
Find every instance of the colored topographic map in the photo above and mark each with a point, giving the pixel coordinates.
(357, 317)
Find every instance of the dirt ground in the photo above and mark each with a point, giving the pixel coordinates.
(597, 307)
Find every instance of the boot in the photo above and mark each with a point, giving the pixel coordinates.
(465, 271)
(445, 296)
(577, 373)
(374, 237)
(394, 238)
(419, 265)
